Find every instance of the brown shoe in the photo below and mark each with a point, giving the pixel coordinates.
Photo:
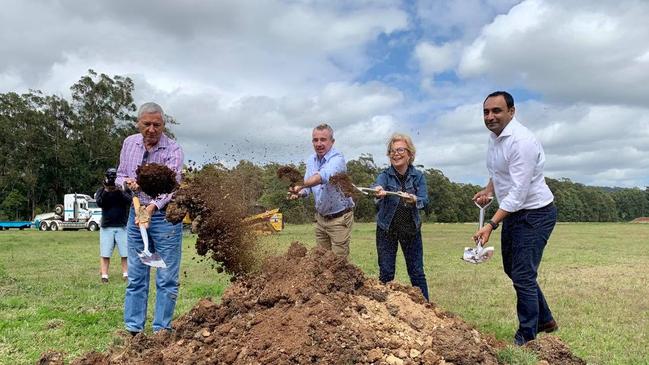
(548, 327)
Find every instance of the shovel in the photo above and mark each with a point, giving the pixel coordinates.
(368, 191)
(479, 254)
(147, 258)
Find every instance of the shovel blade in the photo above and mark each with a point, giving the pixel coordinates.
(152, 259)
(478, 254)
(146, 257)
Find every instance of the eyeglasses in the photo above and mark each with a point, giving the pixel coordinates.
(400, 150)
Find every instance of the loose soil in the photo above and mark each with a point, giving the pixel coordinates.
(343, 182)
(290, 175)
(315, 307)
(155, 179)
(214, 200)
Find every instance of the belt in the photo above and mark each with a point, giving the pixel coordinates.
(336, 215)
(536, 209)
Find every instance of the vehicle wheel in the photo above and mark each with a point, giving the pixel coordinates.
(93, 227)
(58, 210)
(44, 226)
(54, 226)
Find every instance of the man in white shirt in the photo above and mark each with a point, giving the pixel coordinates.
(515, 162)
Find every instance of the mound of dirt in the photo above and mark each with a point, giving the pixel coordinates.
(311, 307)
(554, 351)
(641, 220)
(156, 179)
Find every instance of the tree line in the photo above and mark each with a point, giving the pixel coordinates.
(50, 146)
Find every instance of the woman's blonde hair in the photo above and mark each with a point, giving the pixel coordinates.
(404, 138)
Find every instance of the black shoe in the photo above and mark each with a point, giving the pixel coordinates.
(133, 333)
(104, 280)
(519, 340)
(548, 327)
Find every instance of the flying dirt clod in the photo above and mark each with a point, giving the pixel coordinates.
(156, 179)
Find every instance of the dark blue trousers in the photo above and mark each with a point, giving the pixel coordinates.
(524, 236)
(413, 251)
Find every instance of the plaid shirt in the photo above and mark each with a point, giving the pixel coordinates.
(133, 154)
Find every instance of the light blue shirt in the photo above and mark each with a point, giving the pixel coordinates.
(329, 199)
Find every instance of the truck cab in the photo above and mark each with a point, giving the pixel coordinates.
(79, 211)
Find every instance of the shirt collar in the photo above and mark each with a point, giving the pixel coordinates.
(327, 155)
(508, 130)
(162, 143)
(393, 171)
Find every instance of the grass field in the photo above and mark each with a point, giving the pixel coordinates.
(595, 277)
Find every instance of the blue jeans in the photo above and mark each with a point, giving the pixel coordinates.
(165, 239)
(413, 252)
(524, 237)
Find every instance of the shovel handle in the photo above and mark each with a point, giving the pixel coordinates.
(136, 203)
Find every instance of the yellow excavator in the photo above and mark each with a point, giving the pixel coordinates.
(268, 222)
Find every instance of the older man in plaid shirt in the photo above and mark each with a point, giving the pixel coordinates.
(151, 145)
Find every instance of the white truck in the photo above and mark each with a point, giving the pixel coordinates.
(79, 211)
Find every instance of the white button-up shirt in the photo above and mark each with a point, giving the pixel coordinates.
(515, 162)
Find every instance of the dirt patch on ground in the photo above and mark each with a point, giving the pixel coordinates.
(156, 179)
(554, 351)
(641, 220)
(312, 307)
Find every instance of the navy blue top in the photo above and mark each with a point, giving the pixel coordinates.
(114, 207)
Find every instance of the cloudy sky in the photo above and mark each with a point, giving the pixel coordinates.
(249, 79)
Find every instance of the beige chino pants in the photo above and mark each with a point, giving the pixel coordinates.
(334, 234)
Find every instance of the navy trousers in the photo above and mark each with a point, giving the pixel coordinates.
(413, 252)
(524, 237)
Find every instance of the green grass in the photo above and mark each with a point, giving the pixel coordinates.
(594, 276)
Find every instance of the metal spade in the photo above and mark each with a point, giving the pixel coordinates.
(479, 254)
(147, 257)
(368, 191)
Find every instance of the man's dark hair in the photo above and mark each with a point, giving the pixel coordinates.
(509, 99)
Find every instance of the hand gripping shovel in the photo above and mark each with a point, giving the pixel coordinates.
(147, 258)
(479, 254)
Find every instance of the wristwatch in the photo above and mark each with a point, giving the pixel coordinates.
(493, 224)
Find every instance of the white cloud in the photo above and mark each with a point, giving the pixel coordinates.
(569, 51)
(435, 59)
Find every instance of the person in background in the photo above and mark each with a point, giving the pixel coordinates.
(398, 220)
(334, 216)
(151, 145)
(515, 161)
(114, 203)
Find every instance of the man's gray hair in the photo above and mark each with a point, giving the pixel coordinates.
(151, 108)
(325, 126)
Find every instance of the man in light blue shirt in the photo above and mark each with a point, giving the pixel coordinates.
(334, 212)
